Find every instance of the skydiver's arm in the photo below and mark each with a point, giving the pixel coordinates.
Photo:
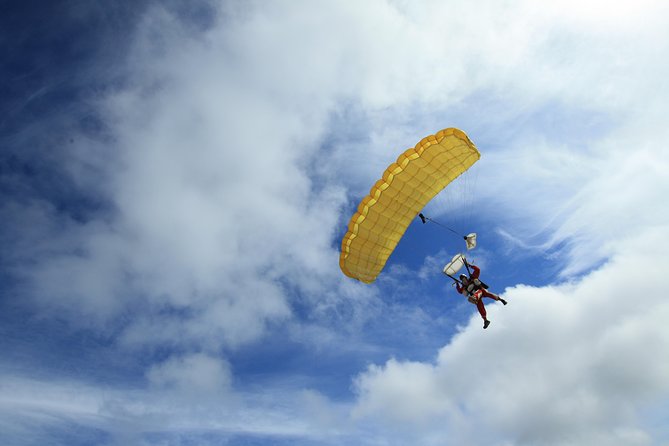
(458, 287)
(476, 271)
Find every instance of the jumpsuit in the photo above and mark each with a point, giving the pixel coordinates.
(476, 293)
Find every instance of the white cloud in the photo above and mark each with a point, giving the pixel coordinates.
(214, 211)
(189, 396)
(197, 374)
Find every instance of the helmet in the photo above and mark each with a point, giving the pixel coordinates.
(463, 277)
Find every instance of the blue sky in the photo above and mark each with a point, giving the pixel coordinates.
(176, 177)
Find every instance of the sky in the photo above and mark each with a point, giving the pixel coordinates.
(176, 178)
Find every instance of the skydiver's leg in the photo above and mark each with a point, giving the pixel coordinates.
(493, 296)
(481, 308)
(486, 293)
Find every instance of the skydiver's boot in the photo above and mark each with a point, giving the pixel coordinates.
(502, 300)
(486, 322)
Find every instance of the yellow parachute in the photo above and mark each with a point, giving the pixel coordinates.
(405, 188)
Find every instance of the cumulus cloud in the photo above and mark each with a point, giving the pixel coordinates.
(211, 207)
(566, 364)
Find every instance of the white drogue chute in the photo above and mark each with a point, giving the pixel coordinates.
(470, 240)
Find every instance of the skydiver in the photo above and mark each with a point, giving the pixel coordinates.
(475, 290)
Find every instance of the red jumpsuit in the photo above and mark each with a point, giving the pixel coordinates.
(478, 294)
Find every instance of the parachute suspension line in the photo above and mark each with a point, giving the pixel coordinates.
(456, 280)
(467, 266)
(424, 218)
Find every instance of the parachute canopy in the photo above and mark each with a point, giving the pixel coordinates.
(405, 188)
